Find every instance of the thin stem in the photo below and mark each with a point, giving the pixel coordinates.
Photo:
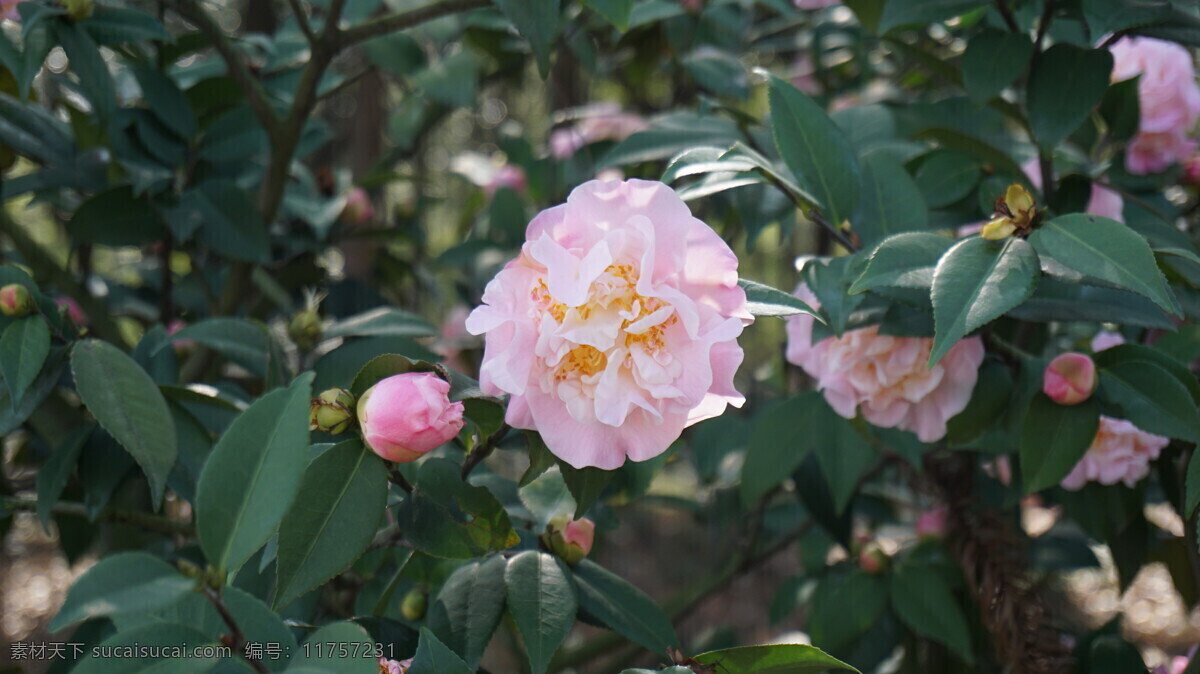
(477, 455)
(302, 19)
(237, 639)
(142, 520)
(397, 478)
(406, 19)
(1007, 15)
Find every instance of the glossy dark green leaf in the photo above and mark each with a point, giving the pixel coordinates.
(1066, 84)
(833, 627)
(345, 492)
(547, 496)
(586, 485)
(53, 476)
(1054, 438)
(623, 607)
(903, 261)
(909, 12)
(773, 659)
(127, 582)
(445, 517)
(1108, 250)
(763, 300)
(143, 642)
(542, 603)
(890, 201)
(164, 98)
(241, 341)
(116, 25)
(922, 598)
(433, 657)
(976, 282)
(24, 347)
(1155, 354)
(537, 22)
(252, 475)
(116, 217)
(382, 322)
(1121, 110)
(337, 648)
(989, 401)
(815, 149)
(127, 403)
(467, 609)
(229, 221)
(90, 67)
(1151, 398)
(829, 279)
(1056, 300)
(615, 11)
(947, 176)
(993, 59)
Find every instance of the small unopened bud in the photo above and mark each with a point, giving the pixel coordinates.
(358, 209)
(931, 524)
(571, 540)
(873, 559)
(78, 10)
(15, 300)
(1070, 379)
(305, 329)
(412, 607)
(332, 411)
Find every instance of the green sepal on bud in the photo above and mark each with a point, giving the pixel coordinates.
(332, 411)
(16, 301)
(569, 540)
(412, 607)
(305, 329)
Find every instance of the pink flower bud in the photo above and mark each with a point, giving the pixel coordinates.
(1070, 379)
(872, 559)
(394, 667)
(15, 300)
(358, 209)
(1191, 171)
(74, 311)
(570, 539)
(932, 523)
(406, 415)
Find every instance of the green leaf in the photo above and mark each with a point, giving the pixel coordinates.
(1121, 110)
(669, 135)
(116, 217)
(53, 476)
(243, 342)
(167, 102)
(947, 176)
(975, 282)
(815, 150)
(446, 517)
(1058, 301)
(989, 402)
(541, 601)
(1132, 352)
(903, 261)
(127, 403)
(252, 475)
(829, 279)
(845, 455)
(924, 602)
(624, 608)
(909, 12)
(717, 71)
(468, 607)
(833, 627)
(223, 218)
(91, 68)
(382, 322)
(345, 493)
(144, 641)
(547, 497)
(338, 648)
(763, 300)
(537, 22)
(116, 25)
(127, 582)
(773, 659)
(993, 59)
(890, 201)
(433, 657)
(1107, 250)
(23, 348)
(586, 485)
(1054, 439)
(1151, 398)
(1066, 84)
(615, 11)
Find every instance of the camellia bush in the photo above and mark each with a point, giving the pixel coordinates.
(348, 335)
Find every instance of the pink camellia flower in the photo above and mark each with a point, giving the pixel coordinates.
(616, 327)
(1120, 452)
(74, 311)
(570, 539)
(1178, 665)
(886, 378)
(8, 10)
(508, 175)
(394, 666)
(605, 121)
(1106, 339)
(932, 522)
(358, 209)
(1169, 100)
(1070, 378)
(406, 415)
(490, 173)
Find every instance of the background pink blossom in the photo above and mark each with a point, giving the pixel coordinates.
(1121, 452)
(617, 325)
(1169, 100)
(886, 378)
(606, 121)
